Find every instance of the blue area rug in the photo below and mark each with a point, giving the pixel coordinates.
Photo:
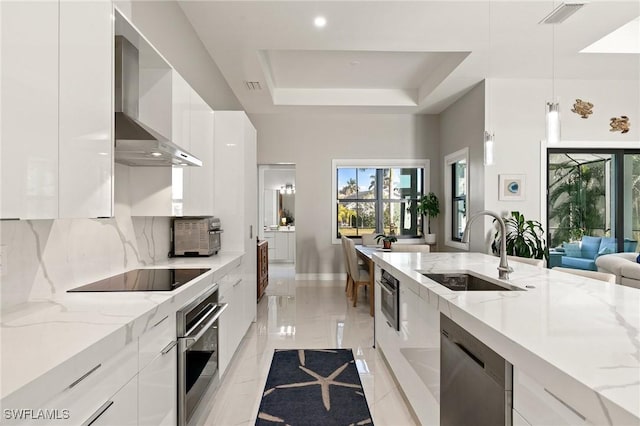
(313, 387)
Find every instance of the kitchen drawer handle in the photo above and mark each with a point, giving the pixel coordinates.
(237, 282)
(470, 354)
(100, 411)
(85, 375)
(389, 324)
(158, 323)
(167, 348)
(565, 404)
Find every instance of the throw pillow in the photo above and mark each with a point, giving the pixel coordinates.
(638, 259)
(605, 250)
(572, 249)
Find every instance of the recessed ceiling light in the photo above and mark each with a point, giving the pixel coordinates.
(354, 63)
(156, 154)
(320, 21)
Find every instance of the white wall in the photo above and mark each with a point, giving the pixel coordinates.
(462, 126)
(312, 141)
(165, 25)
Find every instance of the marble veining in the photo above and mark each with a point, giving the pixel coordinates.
(568, 331)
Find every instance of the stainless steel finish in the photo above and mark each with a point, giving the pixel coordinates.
(216, 312)
(168, 348)
(135, 142)
(196, 236)
(85, 375)
(503, 268)
(469, 282)
(197, 331)
(476, 384)
(390, 300)
(99, 412)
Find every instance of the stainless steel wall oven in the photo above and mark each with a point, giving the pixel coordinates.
(197, 330)
(390, 299)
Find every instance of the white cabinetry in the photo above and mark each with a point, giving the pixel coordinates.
(282, 245)
(233, 323)
(539, 406)
(85, 109)
(121, 409)
(56, 91)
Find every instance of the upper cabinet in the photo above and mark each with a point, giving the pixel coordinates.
(56, 120)
(29, 113)
(85, 134)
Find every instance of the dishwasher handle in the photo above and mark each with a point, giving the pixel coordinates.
(469, 354)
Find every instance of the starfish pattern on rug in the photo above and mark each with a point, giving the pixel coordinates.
(324, 383)
(301, 355)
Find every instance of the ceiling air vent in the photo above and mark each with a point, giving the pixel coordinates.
(253, 85)
(561, 13)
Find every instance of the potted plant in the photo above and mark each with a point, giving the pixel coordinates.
(386, 240)
(524, 238)
(429, 206)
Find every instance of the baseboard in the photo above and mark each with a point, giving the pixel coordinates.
(341, 277)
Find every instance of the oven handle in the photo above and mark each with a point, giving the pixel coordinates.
(385, 287)
(214, 314)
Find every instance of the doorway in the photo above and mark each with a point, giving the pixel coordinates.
(277, 212)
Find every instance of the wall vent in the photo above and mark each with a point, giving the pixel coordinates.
(561, 13)
(253, 85)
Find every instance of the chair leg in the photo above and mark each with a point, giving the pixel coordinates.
(355, 293)
(349, 289)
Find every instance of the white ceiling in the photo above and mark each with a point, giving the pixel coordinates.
(399, 56)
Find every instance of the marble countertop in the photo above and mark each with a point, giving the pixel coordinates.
(577, 336)
(44, 342)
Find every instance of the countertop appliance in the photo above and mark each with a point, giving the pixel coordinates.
(390, 299)
(475, 382)
(144, 280)
(197, 331)
(196, 236)
(136, 143)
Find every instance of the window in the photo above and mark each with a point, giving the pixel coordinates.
(378, 198)
(456, 197)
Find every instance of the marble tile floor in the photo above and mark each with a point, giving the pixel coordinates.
(302, 315)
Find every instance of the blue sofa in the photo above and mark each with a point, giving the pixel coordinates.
(583, 254)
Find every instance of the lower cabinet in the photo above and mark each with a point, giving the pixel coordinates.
(121, 409)
(158, 388)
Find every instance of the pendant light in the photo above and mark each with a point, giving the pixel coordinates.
(488, 135)
(553, 108)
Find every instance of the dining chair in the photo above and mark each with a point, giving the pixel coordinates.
(600, 276)
(359, 276)
(423, 248)
(345, 252)
(535, 262)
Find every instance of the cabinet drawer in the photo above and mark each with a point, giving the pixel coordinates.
(229, 280)
(161, 333)
(86, 394)
(539, 406)
(158, 386)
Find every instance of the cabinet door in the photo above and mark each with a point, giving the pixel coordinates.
(85, 108)
(180, 114)
(226, 325)
(282, 246)
(292, 247)
(198, 181)
(29, 113)
(158, 391)
(121, 409)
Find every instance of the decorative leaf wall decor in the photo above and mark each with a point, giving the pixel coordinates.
(583, 108)
(620, 124)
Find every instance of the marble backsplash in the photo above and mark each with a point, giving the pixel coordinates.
(40, 258)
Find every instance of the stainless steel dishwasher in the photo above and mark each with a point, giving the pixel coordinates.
(475, 382)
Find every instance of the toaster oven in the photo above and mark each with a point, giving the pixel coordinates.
(196, 236)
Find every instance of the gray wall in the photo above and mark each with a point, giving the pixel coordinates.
(312, 141)
(462, 126)
(165, 25)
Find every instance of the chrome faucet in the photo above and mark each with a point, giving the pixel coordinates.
(503, 268)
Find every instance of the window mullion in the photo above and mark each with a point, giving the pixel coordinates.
(379, 204)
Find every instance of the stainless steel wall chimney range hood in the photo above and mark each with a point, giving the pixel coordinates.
(136, 143)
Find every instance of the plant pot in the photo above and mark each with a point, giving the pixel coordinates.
(430, 238)
(386, 244)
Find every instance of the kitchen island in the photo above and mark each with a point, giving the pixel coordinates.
(573, 342)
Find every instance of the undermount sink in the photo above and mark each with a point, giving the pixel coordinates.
(467, 282)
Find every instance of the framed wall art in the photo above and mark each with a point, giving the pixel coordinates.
(511, 187)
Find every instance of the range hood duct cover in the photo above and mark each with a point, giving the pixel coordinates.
(136, 143)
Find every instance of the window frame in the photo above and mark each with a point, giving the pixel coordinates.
(374, 164)
(449, 161)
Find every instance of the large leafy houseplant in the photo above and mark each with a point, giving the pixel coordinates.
(429, 206)
(524, 238)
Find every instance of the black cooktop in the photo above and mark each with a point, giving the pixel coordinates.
(144, 280)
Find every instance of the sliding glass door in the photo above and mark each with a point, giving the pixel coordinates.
(594, 193)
